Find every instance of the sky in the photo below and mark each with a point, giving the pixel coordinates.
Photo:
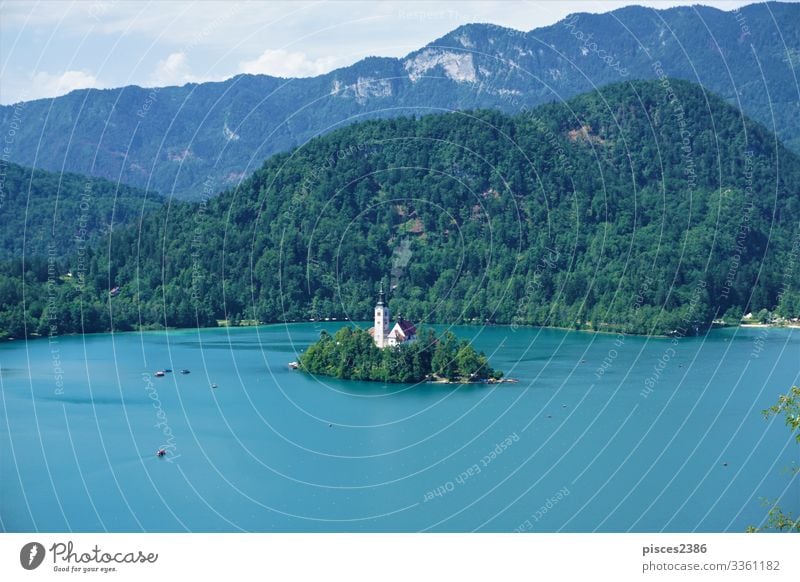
(49, 48)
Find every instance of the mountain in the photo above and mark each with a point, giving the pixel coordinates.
(644, 207)
(49, 214)
(195, 140)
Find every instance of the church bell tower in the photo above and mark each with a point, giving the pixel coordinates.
(381, 323)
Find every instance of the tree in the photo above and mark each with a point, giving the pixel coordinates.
(788, 406)
(733, 316)
(470, 364)
(444, 357)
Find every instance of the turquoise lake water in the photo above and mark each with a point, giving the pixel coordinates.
(667, 437)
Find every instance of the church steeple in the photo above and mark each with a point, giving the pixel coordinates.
(380, 295)
(381, 321)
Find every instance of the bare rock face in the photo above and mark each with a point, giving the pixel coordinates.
(457, 66)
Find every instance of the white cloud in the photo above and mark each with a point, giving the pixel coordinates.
(282, 63)
(46, 85)
(174, 70)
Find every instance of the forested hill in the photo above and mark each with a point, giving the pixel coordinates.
(51, 213)
(176, 139)
(55, 227)
(644, 207)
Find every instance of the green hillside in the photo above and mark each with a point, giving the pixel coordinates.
(647, 207)
(47, 213)
(59, 224)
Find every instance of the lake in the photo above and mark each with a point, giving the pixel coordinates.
(601, 433)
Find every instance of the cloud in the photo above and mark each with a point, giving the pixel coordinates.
(174, 70)
(46, 85)
(281, 63)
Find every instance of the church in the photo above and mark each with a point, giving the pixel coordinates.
(402, 332)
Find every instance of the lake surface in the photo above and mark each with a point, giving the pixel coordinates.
(678, 445)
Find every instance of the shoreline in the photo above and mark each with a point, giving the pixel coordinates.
(513, 327)
(770, 325)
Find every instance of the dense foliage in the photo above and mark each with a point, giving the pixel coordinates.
(59, 224)
(196, 138)
(647, 207)
(58, 214)
(351, 354)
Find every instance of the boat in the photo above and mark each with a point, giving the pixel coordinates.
(294, 365)
(185, 371)
(161, 453)
(167, 370)
(213, 385)
(159, 373)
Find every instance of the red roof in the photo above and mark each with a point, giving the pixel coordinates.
(407, 327)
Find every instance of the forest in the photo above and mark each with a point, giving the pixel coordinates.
(45, 210)
(647, 207)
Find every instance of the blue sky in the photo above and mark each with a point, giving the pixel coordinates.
(49, 48)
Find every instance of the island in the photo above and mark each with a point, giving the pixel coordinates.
(400, 354)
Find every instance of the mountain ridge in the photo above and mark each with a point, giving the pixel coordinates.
(221, 130)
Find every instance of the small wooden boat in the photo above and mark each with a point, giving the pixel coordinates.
(167, 370)
(185, 371)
